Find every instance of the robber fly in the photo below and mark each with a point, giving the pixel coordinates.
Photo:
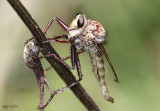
(86, 35)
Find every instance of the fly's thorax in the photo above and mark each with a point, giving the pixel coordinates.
(94, 32)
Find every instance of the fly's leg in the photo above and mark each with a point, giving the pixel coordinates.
(45, 81)
(64, 26)
(41, 82)
(28, 40)
(57, 58)
(74, 61)
(74, 58)
(56, 39)
(41, 86)
(77, 62)
(73, 53)
(56, 92)
(50, 67)
(70, 56)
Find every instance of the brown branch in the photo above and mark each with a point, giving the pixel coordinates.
(62, 71)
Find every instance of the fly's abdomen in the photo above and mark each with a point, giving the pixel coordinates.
(99, 72)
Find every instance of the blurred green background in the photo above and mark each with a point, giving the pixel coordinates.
(133, 45)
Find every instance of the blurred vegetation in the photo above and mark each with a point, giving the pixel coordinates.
(133, 45)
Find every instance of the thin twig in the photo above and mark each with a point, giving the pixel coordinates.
(62, 71)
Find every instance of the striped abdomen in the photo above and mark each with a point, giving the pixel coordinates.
(99, 72)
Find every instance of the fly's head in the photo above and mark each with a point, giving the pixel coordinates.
(86, 33)
(78, 25)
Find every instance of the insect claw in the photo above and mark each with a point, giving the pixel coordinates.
(116, 80)
(110, 99)
(39, 107)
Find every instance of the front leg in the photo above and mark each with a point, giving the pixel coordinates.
(64, 26)
(56, 39)
(66, 58)
(74, 61)
(56, 92)
(57, 58)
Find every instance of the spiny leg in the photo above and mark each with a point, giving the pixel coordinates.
(28, 40)
(68, 57)
(57, 58)
(45, 81)
(56, 92)
(56, 39)
(75, 61)
(40, 82)
(59, 21)
(74, 56)
(64, 26)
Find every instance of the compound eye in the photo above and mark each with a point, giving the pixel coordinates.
(80, 22)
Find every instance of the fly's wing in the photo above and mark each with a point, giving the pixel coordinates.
(106, 55)
(99, 72)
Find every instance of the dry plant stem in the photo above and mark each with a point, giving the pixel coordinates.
(62, 71)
